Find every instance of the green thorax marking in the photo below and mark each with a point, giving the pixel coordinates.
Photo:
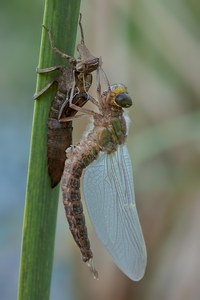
(111, 136)
(116, 124)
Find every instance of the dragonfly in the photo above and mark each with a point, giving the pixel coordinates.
(73, 84)
(103, 160)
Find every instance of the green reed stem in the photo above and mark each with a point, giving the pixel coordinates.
(61, 17)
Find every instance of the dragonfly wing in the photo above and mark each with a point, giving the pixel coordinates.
(109, 194)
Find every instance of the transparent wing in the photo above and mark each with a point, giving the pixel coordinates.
(109, 196)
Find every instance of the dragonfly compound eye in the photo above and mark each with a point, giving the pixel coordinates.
(123, 100)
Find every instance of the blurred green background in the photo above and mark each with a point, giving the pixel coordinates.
(153, 47)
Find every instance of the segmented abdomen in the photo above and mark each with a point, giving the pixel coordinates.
(59, 137)
(79, 158)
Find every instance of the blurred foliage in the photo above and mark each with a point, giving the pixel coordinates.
(154, 48)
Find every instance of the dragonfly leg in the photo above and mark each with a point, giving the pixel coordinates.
(98, 85)
(92, 99)
(82, 109)
(73, 106)
(100, 98)
(81, 29)
(68, 99)
(56, 50)
(68, 119)
(105, 78)
(62, 108)
(47, 70)
(37, 95)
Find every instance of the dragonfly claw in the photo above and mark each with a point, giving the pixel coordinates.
(92, 269)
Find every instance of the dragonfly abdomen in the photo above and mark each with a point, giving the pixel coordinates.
(59, 136)
(79, 158)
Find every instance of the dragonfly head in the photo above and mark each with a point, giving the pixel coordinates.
(87, 66)
(120, 95)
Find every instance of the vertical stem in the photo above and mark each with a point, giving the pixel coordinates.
(61, 17)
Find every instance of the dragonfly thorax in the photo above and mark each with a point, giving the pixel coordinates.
(110, 132)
